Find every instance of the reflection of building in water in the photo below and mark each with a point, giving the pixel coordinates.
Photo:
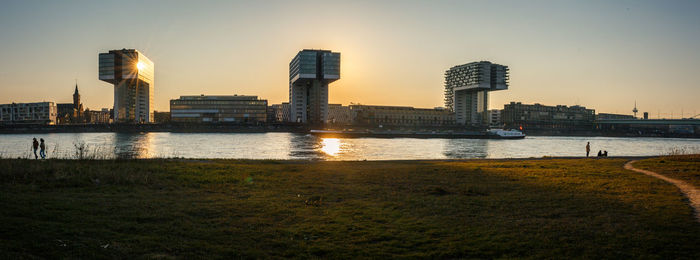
(128, 145)
(401, 116)
(466, 148)
(132, 75)
(212, 109)
(539, 116)
(28, 113)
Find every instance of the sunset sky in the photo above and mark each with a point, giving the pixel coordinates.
(599, 54)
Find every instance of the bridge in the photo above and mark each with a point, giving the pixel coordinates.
(694, 122)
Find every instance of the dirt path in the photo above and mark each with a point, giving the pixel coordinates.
(688, 190)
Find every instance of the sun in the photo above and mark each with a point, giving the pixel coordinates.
(140, 65)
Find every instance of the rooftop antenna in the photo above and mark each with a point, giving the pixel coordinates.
(635, 109)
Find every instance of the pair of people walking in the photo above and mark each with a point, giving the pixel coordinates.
(36, 145)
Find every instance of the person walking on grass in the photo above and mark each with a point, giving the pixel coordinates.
(588, 148)
(35, 146)
(42, 146)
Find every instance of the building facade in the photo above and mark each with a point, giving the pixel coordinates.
(132, 75)
(401, 116)
(607, 116)
(28, 113)
(494, 116)
(310, 72)
(215, 109)
(467, 87)
(537, 116)
(279, 113)
(340, 115)
(97, 116)
(71, 112)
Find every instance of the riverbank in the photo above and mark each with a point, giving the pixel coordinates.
(388, 132)
(161, 208)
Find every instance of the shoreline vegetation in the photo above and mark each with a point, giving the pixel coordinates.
(190, 208)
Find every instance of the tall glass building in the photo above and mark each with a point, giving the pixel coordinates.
(467, 87)
(132, 75)
(310, 72)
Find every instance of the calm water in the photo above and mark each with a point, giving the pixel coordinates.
(299, 146)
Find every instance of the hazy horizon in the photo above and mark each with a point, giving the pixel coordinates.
(599, 54)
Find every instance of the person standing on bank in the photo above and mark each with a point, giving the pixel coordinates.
(42, 146)
(35, 145)
(588, 148)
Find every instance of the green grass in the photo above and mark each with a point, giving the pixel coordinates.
(550, 208)
(681, 167)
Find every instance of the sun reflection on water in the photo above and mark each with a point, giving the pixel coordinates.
(330, 146)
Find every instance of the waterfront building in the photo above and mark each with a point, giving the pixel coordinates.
(607, 116)
(467, 87)
(494, 116)
(340, 115)
(537, 116)
(280, 112)
(160, 117)
(213, 109)
(310, 72)
(132, 75)
(28, 113)
(71, 112)
(97, 116)
(401, 116)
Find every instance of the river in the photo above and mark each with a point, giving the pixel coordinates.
(301, 146)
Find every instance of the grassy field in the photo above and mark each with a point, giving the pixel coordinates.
(681, 167)
(549, 208)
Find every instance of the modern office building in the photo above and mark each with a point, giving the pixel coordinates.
(213, 109)
(401, 116)
(310, 72)
(28, 113)
(467, 87)
(537, 116)
(132, 75)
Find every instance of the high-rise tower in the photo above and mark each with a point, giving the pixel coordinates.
(467, 87)
(310, 72)
(132, 74)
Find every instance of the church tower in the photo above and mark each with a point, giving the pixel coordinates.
(77, 106)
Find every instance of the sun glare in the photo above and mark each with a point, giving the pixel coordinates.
(330, 146)
(140, 65)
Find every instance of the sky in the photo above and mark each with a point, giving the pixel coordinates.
(603, 55)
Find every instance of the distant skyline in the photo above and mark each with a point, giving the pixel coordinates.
(599, 54)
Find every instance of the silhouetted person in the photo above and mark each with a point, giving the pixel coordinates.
(605, 153)
(588, 148)
(600, 153)
(35, 145)
(42, 146)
